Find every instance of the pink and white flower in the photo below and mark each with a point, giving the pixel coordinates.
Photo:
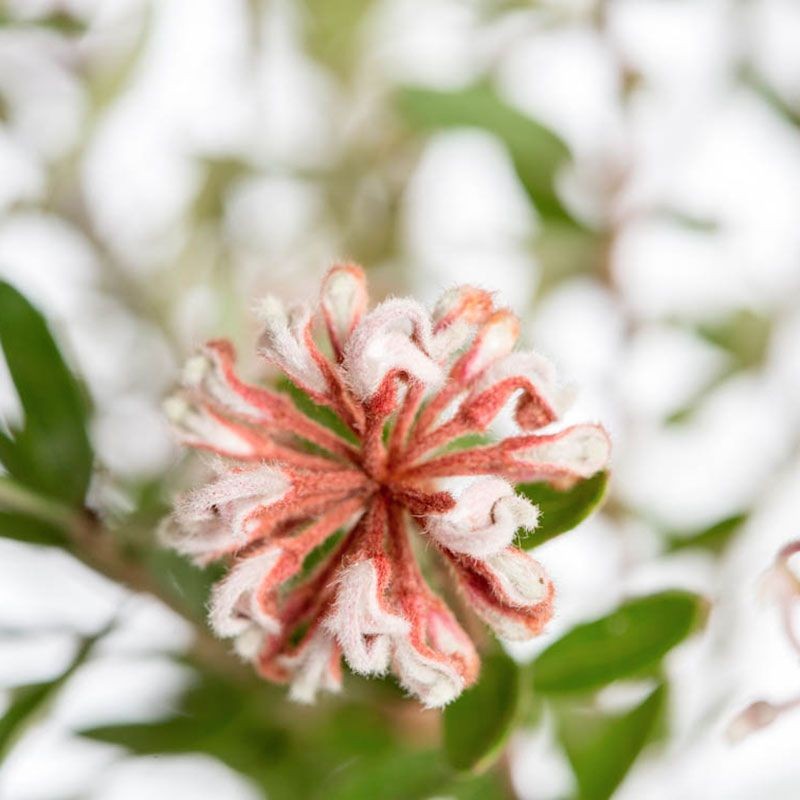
(406, 383)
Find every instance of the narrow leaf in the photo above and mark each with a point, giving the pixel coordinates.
(26, 701)
(632, 639)
(478, 723)
(52, 452)
(602, 747)
(561, 511)
(714, 538)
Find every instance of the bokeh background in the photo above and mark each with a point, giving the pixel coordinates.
(624, 173)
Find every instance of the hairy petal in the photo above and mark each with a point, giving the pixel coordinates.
(343, 301)
(360, 620)
(394, 338)
(220, 515)
(485, 519)
(435, 681)
(541, 402)
(284, 342)
(313, 667)
(234, 607)
(200, 427)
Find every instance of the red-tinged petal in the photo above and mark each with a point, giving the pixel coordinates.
(484, 520)
(202, 428)
(515, 623)
(495, 340)
(455, 316)
(220, 515)
(361, 620)
(314, 666)
(394, 339)
(576, 452)
(343, 301)
(541, 402)
(284, 342)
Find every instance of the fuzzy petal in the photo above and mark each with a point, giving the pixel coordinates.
(343, 301)
(234, 607)
(485, 519)
(284, 342)
(395, 337)
(360, 621)
(314, 667)
(436, 682)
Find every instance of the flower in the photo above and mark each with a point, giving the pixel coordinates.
(405, 383)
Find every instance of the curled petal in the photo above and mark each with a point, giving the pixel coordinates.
(542, 400)
(435, 681)
(455, 316)
(202, 428)
(484, 520)
(313, 667)
(222, 514)
(343, 301)
(285, 343)
(394, 338)
(512, 594)
(448, 637)
(515, 577)
(495, 339)
(234, 608)
(576, 452)
(360, 621)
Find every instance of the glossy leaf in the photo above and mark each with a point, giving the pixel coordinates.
(561, 511)
(632, 639)
(537, 153)
(602, 747)
(51, 453)
(477, 723)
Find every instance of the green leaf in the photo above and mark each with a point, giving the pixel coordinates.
(321, 414)
(51, 453)
(477, 724)
(26, 701)
(333, 30)
(23, 528)
(745, 335)
(537, 153)
(602, 747)
(561, 511)
(397, 775)
(714, 539)
(632, 639)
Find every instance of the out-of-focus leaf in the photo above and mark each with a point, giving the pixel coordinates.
(322, 414)
(477, 723)
(59, 21)
(565, 251)
(29, 701)
(602, 747)
(397, 775)
(466, 442)
(23, 528)
(789, 113)
(744, 335)
(632, 639)
(189, 584)
(51, 453)
(221, 174)
(537, 153)
(332, 31)
(714, 538)
(25, 702)
(561, 511)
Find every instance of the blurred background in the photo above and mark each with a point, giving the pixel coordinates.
(624, 173)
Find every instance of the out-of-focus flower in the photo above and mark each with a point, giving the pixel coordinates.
(406, 383)
(781, 585)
